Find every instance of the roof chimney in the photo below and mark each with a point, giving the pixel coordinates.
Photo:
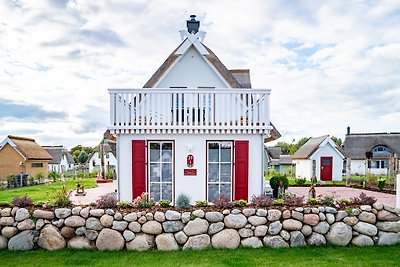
(348, 130)
(193, 25)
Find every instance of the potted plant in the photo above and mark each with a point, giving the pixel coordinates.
(278, 181)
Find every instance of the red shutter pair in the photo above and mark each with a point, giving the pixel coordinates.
(241, 180)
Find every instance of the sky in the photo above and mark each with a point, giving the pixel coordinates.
(330, 64)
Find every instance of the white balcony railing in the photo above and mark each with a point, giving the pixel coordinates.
(176, 110)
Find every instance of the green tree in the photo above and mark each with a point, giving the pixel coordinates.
(83, 157)
(337, 140)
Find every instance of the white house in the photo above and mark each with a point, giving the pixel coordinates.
(328, 159)
(62, 160)
(376, 153)
(109, 154)
(195, 128)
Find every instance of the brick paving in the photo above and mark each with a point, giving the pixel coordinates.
(92, 194)
(346, 192)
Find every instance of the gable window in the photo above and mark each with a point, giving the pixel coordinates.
(37, 165)
(380, 151)
(219, 170)
(160, 170)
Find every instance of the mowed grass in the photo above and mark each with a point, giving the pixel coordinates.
(307, 256)
(44, 192)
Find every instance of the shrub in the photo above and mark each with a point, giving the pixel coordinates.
(124, 204)
(143, 201)
(312, 201)
(222, 202)
(363, 199)
(327, 200)
(22, 201)
(165, 203)
(381, 183)
(240, 203)
(272, 171)
(294, 200)
(349, 211)
(54, 175)
(275, 181)
(300, 181)
(183, 202)
(344, 202)
(261, 200)
(279, 202)
(201, 203)
(39, 176)
(290, 171)
(61, 197)
(106, 202)
(371, 178)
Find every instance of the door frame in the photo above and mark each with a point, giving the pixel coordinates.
(321, 168)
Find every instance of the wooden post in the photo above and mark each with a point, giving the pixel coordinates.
(398, 191)
(101, 151)
(312, 193)
(348, 171)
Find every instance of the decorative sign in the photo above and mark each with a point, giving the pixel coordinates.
(190, 160)
(190, 172)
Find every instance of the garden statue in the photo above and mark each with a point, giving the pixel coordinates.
(80, 190)
(312, 193)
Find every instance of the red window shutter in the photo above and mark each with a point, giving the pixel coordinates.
(138, 167)
(241, 170)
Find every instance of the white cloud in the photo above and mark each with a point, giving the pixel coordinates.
(329, 64)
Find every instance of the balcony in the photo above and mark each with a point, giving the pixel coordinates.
(189, 110)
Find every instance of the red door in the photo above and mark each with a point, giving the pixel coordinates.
(138, 168)
(241, 170)
(326, 168)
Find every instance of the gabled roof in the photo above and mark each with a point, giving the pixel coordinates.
(274, 152)
(57, 153)
(309, 147)
(28, 148)
(285, 160)
(357, 144)
(242, 76)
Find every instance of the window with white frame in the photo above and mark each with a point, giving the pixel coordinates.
(160, 173)
(219, 170)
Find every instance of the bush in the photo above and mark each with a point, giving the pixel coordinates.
(54, 175)
(279, 202)
(183, 202)
(261, 200)
(61, 197)
(275, 181)
(344, 202)
(327, 200)
(222, 202)
(294, 200)
(363, 199)
(371, 178)
(312, 201)
(201, 203)
(106, 202)
(300, 181)
(165, 203)
(22, 202)
(381, 183)
(39, 176)
(124, 204)
(240, 203)
(143, 201)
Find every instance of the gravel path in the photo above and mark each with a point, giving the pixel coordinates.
(92, 194)
(346, 192)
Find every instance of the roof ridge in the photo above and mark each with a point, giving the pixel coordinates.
(21, 138)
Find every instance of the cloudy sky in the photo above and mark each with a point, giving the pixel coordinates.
(330, 64)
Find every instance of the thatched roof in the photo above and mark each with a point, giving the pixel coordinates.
(274, 152)
(57, 153)
(355, 145)
(309, 147)
(29, 148)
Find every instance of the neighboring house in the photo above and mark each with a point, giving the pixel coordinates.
(62, 160)
(109, 154)
(196, 128)
(328, 159)
(21, 154)
(277, 161)
(375, 153)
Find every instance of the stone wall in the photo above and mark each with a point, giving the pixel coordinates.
(90, 228)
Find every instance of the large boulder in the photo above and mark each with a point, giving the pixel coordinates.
(321, 228)
(109, 239)
(180, 237)
(50, 238)
(274, 215)
(316, 239)
(22, 241)
(214, 216)
(43, 214)
(256, 220)
(130, 217)
(172, 215)
(119, 225)
(311, 219)
(366, 228)
(9, 231)
(261, 230)
(141, 242)
(389, 226)
(93, 223)
(68, 232)
(292, 225)
(172, 226)
(75, 221)
(384, 215)
(3, 242)
(166, 242)
(228, 238)
(275, 242)
(339, 234)
(152, 228)
(106, 220)
(362, 241)
(6, 221)
(274, 228)
(22, 214)
(197, 242)
(367, 217)
(62, 213)
(81, 242)
(26, 224)
(297, 239)
(215, 228)
(387, 239)
(252, 242)
(196, 227)
(235, 221)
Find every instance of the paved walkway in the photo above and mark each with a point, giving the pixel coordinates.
(92, 194)
(346, 192)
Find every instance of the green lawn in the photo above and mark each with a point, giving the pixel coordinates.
(39, 192)
(308, 256)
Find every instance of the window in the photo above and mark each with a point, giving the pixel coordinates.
(378, 164)
(107, 155)
(37, 165)
(380, 151)
(160, 170)
(219, 169)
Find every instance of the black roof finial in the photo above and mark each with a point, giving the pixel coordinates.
(193, 25)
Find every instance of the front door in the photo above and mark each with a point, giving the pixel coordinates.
(326, 168)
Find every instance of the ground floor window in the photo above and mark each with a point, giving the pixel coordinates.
(377, 164)
(37, 165)
(219, 169)
(160, 170)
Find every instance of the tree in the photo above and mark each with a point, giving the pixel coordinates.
(77, 150)
(83, 157)
(337, 140)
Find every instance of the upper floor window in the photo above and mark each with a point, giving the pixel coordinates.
(381, 150)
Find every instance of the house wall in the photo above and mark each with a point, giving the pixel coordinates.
(34, 171)
(303, 168)
(328, 151)
(10, 162)
(111, 159)
(358, 168)
(193, 186)
(54, 167)
(284, 169)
